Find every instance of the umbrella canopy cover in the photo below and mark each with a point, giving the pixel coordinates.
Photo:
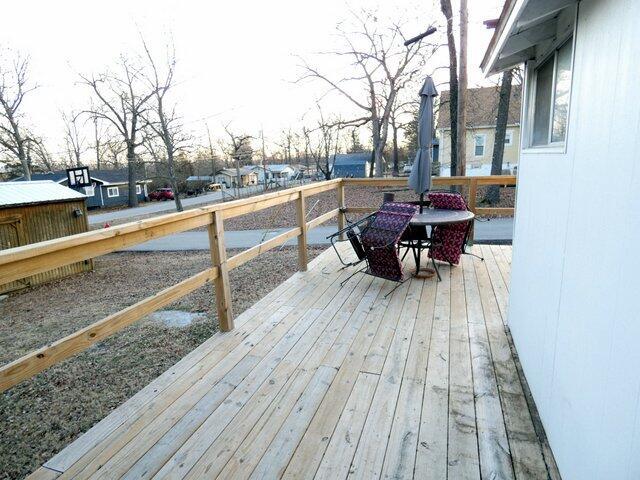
(420, 177)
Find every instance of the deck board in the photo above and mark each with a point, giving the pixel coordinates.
(323, 380)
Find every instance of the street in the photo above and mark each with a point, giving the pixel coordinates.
(499, 230)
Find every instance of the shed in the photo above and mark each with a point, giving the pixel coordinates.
(355, 165)
(36, 211)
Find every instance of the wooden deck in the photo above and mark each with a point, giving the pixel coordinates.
(323, 381)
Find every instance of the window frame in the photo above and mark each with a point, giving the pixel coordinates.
(138, 189)
(530, 89)
(117, 190)
(91, 189)
(508, 135)
(484, 144)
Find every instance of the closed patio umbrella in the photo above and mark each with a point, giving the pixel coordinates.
(420, 177)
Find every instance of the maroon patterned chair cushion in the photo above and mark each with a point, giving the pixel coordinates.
(381, 237)
(447, 240)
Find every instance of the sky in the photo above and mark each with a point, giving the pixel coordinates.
(237, 60)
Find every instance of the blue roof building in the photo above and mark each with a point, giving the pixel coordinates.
(352, 165)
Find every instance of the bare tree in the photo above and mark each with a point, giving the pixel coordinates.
(123, 99)
(324, 142)
(383, 66)
(75, 142)
(493, 192)
(240, 151)
(14, 86)
(162, 119)
(447, 11)
(38, 157)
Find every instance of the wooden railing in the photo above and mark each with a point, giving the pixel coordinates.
(31, 259)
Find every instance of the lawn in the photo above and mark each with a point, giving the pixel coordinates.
(42, 415)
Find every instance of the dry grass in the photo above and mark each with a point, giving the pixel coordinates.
(42, 415)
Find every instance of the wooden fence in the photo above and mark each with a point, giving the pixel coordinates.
(32, 259)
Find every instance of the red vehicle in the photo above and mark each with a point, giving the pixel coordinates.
(161, 194)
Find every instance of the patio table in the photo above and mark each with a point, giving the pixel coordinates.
(431, 218)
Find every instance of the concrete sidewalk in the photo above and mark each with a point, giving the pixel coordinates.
(499, 230)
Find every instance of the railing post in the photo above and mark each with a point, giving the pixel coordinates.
(302, 238)
(473, 193)
(341, 206)
(221, 283)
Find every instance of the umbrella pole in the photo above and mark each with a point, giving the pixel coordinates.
(421, 201)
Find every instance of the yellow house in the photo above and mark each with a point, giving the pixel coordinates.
(482, 109)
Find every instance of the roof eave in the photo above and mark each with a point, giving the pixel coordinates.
(523, 24)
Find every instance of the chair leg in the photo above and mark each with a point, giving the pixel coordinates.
(474, 255)
(351, 276)
(435, 267)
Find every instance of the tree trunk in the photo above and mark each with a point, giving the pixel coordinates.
(462, 91)
(172, 179)
(396, 169)
(447, 11)
(493, 192)
(131, 164)
(377, 148)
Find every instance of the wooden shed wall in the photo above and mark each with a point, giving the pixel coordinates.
(36, 223)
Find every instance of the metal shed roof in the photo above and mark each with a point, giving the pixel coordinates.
(13, 194)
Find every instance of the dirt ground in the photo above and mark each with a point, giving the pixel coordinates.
(42, 415)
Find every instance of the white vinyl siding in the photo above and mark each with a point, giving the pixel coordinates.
(113, 192)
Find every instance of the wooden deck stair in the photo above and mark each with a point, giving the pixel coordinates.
(323, 381)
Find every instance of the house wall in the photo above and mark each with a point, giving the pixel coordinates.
(359, 170)
(574, 305)
(122, 198)
(511, 152)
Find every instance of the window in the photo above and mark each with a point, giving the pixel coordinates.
(90, 191)
(508, 138)
(138, 189)
(113, 192)
(551, 97)
(479, 142)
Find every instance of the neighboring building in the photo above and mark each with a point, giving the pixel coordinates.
(482, 109)
(356, 165)
(109, 188)
(281, 171)
(274, 172)
(36, 211)
(574, 310)
(201, 179)
(229, 177)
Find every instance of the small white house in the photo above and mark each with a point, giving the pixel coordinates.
(274, 172)
(574, 309)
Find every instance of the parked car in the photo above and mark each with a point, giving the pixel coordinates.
(161, 194)
(407, 168)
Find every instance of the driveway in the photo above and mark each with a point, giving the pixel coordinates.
(496, 230)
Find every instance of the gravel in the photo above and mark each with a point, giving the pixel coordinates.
(42, 415)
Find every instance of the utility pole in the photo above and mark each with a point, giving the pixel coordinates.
(95, 129)
(211, 154)
(264, 166)
(462, 90)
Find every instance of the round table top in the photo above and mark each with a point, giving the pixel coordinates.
(433, 216)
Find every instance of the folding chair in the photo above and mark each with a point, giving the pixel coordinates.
(448, 242)
(374, 240)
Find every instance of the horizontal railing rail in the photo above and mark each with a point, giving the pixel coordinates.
(20, 262)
